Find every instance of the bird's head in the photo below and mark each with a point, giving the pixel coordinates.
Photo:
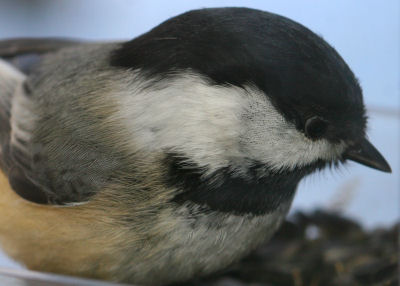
(238, 88)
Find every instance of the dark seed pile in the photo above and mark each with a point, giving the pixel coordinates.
(316, 249)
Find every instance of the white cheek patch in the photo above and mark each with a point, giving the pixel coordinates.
(214, 126)
(268, 136)
(185, 115)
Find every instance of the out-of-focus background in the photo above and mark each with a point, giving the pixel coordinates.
(365, 32)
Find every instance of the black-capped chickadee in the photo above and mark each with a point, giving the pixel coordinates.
(174, 154)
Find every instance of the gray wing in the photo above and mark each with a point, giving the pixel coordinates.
(37, 171)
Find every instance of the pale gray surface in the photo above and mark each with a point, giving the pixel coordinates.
(365, 32)
(6, 262)
(12, 277)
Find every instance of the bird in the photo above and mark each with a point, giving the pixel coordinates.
(174, 154)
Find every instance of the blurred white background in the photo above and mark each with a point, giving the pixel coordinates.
(365, 32)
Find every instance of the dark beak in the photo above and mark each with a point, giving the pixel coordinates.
(365, 153)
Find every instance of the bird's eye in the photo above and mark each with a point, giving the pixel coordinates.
(315, 127)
